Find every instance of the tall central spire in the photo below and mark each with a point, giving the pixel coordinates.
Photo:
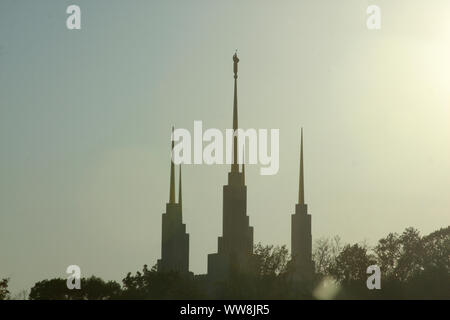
(172, 175)
(235, 166)
(180, 202)
(235, 246)
(301, 190)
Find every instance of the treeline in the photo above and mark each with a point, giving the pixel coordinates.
(412, 267)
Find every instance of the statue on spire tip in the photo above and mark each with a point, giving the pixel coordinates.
(235, 64)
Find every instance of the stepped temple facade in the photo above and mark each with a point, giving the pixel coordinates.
(235, 245)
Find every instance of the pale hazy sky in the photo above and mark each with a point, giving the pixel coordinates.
(85, 121)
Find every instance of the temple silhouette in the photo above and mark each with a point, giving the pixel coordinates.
(301, 238)
(235, 246)
(175, 240)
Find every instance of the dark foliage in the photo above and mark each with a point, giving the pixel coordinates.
(412, 267)
(92, 288)
(4, 293)
(150, 284)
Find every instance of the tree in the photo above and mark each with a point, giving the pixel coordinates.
(412, 267)
(52, 289)
(415, 267)
(4, 292)
(272, 260)
(388, 252)
(92, 288)
(436, 245)
(151, 284)
(410, 262)
(324, 254)
(430, 279)
(401, 257)
(351, 264)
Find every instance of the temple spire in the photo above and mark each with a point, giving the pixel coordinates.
(172, 174)
(243, 165)
(301, 190)
(180, 202)
(235, 166)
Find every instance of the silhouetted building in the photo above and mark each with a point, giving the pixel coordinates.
(175, 240)
(235, 246)
(301, 242)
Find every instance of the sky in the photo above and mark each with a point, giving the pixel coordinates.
(85, 118)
